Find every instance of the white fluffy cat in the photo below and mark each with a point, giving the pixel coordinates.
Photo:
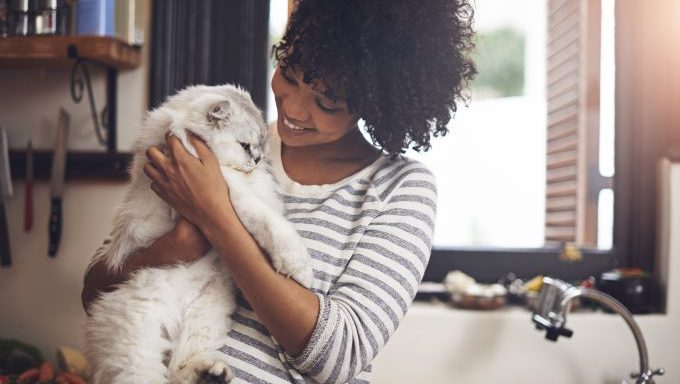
(165, 325)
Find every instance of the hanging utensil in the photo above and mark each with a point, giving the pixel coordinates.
(5, 193)
(28, 188)
(57, 182)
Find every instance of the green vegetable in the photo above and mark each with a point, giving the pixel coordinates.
(17, 357)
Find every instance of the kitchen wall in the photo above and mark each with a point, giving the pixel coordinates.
(39, 296)
(437, 344)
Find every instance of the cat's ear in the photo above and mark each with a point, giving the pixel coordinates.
(219, 111)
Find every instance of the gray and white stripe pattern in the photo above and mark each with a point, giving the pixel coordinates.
(370, 237)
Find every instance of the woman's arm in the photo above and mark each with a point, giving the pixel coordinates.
(367, 301)
(196, 189)
(288, 310)
(184, 243)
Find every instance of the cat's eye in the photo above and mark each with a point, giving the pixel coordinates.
(245, 146)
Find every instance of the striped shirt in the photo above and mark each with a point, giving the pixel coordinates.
(369, 236)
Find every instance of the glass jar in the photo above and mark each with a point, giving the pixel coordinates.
(19, 15)
(46, 17)
(4, 19)
(65, 9)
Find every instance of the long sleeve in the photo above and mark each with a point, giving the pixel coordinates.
(365, 305)
(98, 253)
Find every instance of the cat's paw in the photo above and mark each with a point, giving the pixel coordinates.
(204, 368)
(219, 373)
(304, 276)
(295, 263)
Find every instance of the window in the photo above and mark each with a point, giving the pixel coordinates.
(514, 171)
(528, 165)
(490, 168)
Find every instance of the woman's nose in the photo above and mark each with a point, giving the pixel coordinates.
(294, 109)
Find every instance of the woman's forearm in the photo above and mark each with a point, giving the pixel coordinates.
(287, 309)
(171, 248)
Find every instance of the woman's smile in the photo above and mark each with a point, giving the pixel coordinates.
(285, 127)
(291, 125)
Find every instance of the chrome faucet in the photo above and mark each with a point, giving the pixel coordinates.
(554, 302)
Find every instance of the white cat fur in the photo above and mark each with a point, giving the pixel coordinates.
(165, 325)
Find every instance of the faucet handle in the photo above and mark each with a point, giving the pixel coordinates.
(552, 333)
(647, 377)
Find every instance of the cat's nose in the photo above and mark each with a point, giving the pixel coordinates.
(257, 159)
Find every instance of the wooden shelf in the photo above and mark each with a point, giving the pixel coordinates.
(62, 51)
(53, 50)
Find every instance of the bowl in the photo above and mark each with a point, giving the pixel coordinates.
(467, 301)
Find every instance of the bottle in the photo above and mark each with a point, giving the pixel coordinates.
(46, 17)
(65, 17)
(4, 19)
(96, 17)
(19, 13)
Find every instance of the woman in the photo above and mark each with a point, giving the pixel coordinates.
(365, 212)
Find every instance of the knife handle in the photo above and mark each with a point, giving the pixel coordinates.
(55, 227)
(28, 207)
(5, 255)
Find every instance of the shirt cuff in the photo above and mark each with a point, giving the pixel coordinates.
(321, 339)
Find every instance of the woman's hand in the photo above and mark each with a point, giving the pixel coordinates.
(193, 186)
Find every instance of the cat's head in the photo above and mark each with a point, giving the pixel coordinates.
(226, 118)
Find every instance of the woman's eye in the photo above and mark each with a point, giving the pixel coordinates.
(326, 109)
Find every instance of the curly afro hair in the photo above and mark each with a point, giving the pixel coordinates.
(400, 65)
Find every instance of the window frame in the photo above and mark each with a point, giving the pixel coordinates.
(487, 265)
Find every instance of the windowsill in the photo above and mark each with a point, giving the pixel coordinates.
(510, 312)
(487, 265)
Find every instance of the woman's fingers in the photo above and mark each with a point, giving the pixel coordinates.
(158, 158)
(177, 150)
(202, 150)
(158, 191)
(153, 173)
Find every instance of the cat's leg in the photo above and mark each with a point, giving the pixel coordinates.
(287, 251)
(195, 354)
(272, 231)
(124, 337)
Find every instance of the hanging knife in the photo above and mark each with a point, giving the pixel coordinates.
(5, 192)
(57, 182)
(28, 188)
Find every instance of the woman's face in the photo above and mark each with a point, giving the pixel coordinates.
(305, 116)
